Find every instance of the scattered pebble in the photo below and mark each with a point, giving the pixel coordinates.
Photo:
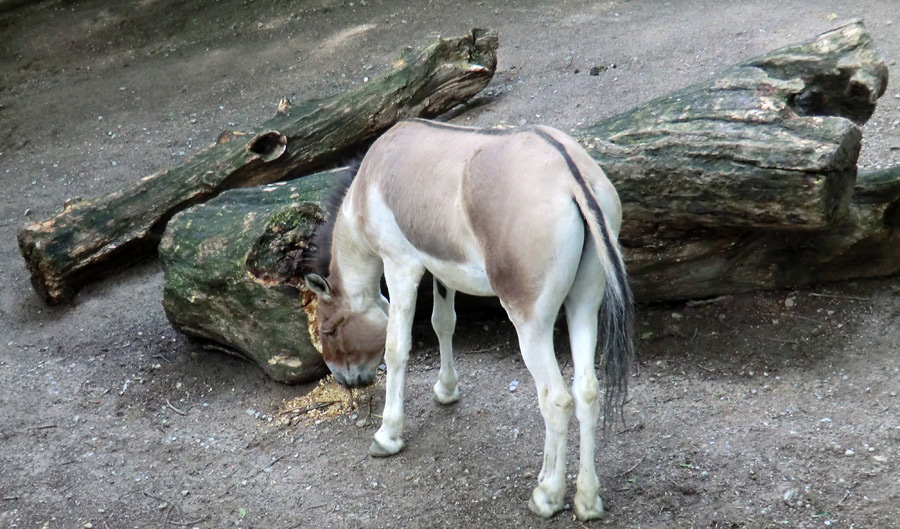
(514, 385)
(789, 496)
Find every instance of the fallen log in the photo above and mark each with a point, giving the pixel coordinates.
(239, 282)
(66, 251)
(233, 274)
(769, 144)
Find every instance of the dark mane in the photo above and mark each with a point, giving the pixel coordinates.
(318, 259)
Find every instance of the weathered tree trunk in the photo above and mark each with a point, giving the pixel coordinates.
(232, 274)
(770, 144)
(65, 251)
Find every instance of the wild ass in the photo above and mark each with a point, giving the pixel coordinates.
(522, 214)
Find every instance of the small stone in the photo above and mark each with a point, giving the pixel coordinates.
(849, 452)
(677, 316)
(789, 496)
(514, 385)
(789, 302)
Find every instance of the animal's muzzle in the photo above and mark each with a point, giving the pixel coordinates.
(354, 377)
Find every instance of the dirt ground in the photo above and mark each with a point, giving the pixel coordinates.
(758, 410)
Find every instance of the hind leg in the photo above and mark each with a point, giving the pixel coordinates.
(443, 320)
(536, 342)
(582, 306)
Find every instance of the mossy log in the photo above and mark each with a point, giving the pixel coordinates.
(66, 251)
(233, 274)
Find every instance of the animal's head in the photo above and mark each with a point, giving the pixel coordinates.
(352, 341)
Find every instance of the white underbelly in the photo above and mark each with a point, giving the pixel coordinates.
(468, 278)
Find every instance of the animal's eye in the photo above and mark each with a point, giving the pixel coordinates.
(327, 332)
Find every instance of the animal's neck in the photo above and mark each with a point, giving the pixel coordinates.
(355, 267)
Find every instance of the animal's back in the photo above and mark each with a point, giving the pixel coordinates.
(485, 200)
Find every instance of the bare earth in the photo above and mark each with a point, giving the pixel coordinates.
(759, 410)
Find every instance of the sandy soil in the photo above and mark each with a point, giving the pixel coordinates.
(759, 410)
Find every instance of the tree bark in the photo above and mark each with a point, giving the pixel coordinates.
(233, 274)
(865, 242)
(68, 250)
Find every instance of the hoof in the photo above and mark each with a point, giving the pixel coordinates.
(442, 396)
(589, 508)
(541, 505)
(377, 449)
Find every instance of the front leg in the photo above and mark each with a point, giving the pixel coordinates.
(443, 320)
(402, 286)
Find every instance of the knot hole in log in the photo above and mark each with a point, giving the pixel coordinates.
(835, 95)
(268, 145)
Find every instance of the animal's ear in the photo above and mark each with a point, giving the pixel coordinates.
(319, 285)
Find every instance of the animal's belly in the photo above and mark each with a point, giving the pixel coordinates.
(468, 278)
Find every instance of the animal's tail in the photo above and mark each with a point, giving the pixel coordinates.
(616, 309)
(617, 306)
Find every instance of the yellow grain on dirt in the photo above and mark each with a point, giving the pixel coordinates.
(328, 400)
